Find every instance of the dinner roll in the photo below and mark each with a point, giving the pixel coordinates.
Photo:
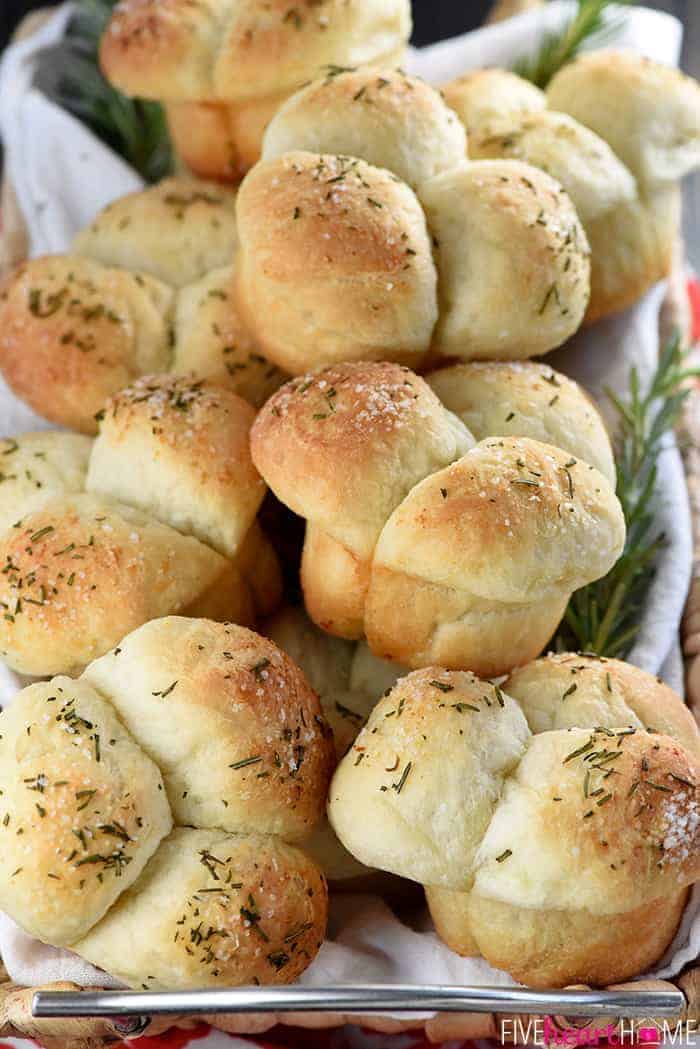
(578, 691)
(326, 661)
(583, 162)
(475, 567)
(73, 331)
(225, 67)
(631, 235)
(326, 239)
(538, 852)
(83, 571)
(649, 113)
(348, 678)
(179, 450)
(606, 852)
(211, 341)
(36, 467)
(527, 399)
(632, 249)
(349, 681)
(229, 719)
(220, 910)
(258, 563)
(389, 119)
(553, 948)
(177, 230)
(83, 809)
(500, 224)
(485, 95)
(416, 792)
(389, 430)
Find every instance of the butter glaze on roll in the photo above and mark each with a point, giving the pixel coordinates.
(226, 737)
(325, 239)
(386, 117)
(224, 67)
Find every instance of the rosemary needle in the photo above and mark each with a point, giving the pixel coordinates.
(603, 617)
(589, 25)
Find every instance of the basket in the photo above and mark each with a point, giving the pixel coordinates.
(92, 1033)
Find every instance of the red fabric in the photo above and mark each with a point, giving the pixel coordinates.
(694, 296)
(174, 1039)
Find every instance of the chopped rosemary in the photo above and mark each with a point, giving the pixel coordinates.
(245, 762)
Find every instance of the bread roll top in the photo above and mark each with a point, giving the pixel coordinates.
(179, 449)
(389, 119)
(325, 238)
(417, 790)
(572, 690)
(239, 49)
(502, 224)
(649, 113)
(211, 341)
(583, 162)
(513, 520)
(607, 819)
(485, 95)
(380, 421)
(82, 809)
(220, 909)
(37, 467)
(527, 399)
(83, 571)
(229, 719)
(177, 230)
(73, 331)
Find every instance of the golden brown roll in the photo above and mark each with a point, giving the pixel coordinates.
(562, 857)
(236, 728)
(387, 118)
(325, 239)
(83, 809)
(36, 467)
(179, 450)
(389, 430)
(87, 807)
(475, 567)
(417, 790)
(83, 571)
(484, 96)
(258, 563)
(349, 681)
(552, 948)
(512, 257)
(649, 113)
(583, 162)
(73, 331)
(578, 691)
(526, 399)
(632, 248)
(177, 230)
(211, 341)
(220, 910)
(631, 230)
(223, 68)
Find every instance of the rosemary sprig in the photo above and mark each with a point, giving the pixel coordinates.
(71, 77)
(592, 24)
(604, 616)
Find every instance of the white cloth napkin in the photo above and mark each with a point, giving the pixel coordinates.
(63, 176)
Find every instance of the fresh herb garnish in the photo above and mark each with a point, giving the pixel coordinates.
(603, 618)
(591, 24)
